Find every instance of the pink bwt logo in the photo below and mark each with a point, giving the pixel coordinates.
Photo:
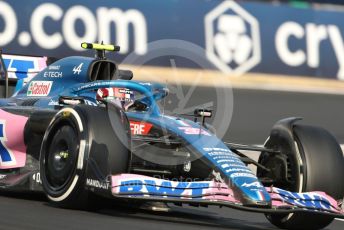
(7, 158)
(12, 147)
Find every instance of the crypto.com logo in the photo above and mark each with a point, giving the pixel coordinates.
(232, 38)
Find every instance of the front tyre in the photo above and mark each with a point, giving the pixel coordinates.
(62, 163)
(314, 161)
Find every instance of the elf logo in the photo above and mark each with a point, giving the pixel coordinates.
(140, 128)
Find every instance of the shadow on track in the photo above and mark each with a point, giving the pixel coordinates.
(112, 212)
(183, 215)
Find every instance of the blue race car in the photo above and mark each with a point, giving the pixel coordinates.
(82, 128)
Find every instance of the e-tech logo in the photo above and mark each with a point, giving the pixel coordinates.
(232, 38)
(51, 26)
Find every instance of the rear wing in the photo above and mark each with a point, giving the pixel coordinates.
(19, 68)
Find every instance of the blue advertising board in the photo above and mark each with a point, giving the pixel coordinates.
(235, 37)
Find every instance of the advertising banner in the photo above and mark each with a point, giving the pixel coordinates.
(237, 37)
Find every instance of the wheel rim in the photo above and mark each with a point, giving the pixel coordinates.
(61, 158)
(294, 180)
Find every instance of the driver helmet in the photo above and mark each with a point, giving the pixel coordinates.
(121, 96)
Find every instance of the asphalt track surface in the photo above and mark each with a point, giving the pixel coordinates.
(256, 111)
(254, 114)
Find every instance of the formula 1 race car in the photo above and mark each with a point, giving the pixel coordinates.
(81, 127)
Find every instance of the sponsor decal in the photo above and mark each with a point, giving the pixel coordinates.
(97, 183)
(140, 128)
(228, 161)
(91, 85)
(54, 67)
(163, 188)
(53, 102)
(53, 74)
(145, 83)
(253, 184)
(78, 69)
(222, 154)
(222, 159)
(39, 88)
(314, 35)
(23, 66)
(230, 164)
(71, 102)
(238, 164)
(6, 155)
(12, 147)
(235, 175)
(2, 177)
(97, 23)
(225, 160)
(194, 131)
(309, 200)
(216, 149)
(237, 170)
(232, 38)
(224, 166)
(88, 102)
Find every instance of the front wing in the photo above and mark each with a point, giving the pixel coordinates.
(133, 186)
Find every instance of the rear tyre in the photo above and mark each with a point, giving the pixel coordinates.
(314, 161)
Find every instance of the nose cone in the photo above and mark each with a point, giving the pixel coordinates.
(251, 192)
